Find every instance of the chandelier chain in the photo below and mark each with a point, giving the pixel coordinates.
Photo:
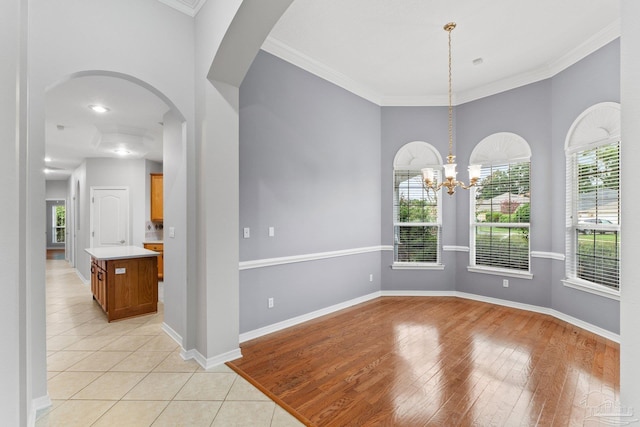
(450, 28)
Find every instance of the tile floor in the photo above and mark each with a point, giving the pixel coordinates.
(130, 373)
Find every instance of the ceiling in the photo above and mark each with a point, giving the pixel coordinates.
(74, 132)
(391, 52)
(394, 52)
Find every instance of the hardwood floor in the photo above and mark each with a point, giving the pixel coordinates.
(442, 361)
(55, 254)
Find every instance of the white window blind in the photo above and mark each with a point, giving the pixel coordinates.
(500, 222)
(416, 214)
(593, 214)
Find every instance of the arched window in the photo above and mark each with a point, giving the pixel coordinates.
(500, 206)
(416, 211)
(592, 248)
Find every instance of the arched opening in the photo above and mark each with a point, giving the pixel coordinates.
(153, 131)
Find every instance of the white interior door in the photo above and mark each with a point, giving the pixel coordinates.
(109, 217)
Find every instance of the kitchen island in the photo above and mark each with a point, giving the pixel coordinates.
(124, 280)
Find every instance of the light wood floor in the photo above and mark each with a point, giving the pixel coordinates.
(442, 361)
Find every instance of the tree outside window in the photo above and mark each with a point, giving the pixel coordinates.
(59, 224)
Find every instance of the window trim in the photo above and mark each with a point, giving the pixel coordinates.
(413, 156)
(485, 269)
(54, 227)
(572, 226)
(595, 126)
(404, 265)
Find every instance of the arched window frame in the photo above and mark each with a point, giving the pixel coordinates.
(407, 181)
(488, 239)
(592, 245)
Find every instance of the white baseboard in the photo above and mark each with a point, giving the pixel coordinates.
(173, 334)
(208, 363)
(305, 317)
(332, 309)
(38, 404)
(85, 281)
(521, 306)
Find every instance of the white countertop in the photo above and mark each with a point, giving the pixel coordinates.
(154, 242)
(120, 252)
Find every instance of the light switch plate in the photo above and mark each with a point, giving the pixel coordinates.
(172, 232)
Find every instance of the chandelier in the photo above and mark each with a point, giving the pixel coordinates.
(450, 173)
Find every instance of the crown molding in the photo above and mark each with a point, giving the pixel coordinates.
(188, 7)
(550, 69)
(283, 51)
(299, 59)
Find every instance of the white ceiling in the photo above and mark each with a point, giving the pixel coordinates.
(394, 52)
(74, 132)
(391, 52)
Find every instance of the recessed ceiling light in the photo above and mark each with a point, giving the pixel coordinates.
(478, 61)
(47, 170)
(122, 151)
(99, 108)
(47, 159)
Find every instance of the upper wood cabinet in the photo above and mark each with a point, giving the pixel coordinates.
(156, 197)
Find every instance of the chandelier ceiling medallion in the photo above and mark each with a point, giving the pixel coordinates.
(450, 173)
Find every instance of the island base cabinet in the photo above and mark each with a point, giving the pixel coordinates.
(125, 287)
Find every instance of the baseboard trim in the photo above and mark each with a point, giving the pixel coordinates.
(256, 333)
(211, 362)
(85, 281)
(172, 333)
(512, 304)
(38, 404)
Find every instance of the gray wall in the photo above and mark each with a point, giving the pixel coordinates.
(310, 167)
(524, 111)
(401, 125)
(56, 190)
(307, 156)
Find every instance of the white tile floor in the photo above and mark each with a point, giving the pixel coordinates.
(130, 373)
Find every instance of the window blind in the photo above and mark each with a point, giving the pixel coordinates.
(501, 211)
(593, 215)
(416, 214)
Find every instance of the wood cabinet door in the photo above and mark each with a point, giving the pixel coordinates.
(157, 247)
(157, 199)
(132, 287)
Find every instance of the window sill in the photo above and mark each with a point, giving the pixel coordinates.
(416, 266)
(500, 272)
(583, 285)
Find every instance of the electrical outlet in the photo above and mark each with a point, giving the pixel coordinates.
(246, 232)
(505, 283)
(272, 231)
(270, 302)
(371, 277)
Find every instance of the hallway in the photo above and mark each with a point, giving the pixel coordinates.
(130, 373)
